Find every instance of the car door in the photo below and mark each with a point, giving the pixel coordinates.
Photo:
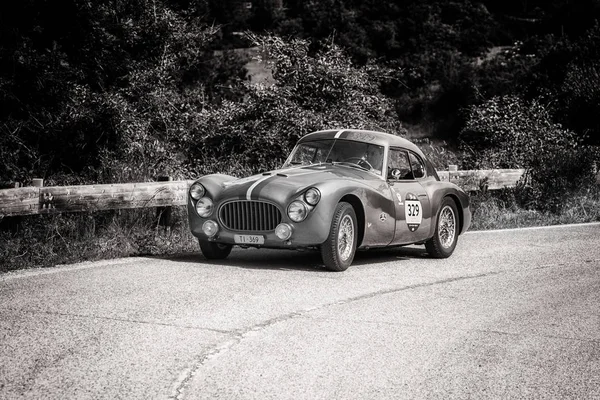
(412, 204)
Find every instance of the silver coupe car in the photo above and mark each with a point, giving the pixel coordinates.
(338, 191)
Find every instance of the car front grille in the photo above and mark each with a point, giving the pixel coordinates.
(249, 215)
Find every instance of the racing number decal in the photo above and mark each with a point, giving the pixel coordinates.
(413, 212)
(414, 209)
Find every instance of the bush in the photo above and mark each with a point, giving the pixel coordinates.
(311, 92)
(507, 132)
(109, 98)
(569, 75)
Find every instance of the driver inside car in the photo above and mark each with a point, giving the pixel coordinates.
(374, 156)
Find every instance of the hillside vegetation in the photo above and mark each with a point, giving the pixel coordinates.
(121, 91)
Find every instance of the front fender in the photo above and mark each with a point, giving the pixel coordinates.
(213, 185)
(373, 207)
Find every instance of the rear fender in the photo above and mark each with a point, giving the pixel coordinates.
(437, 191)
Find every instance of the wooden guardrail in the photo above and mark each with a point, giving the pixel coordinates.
(58, 199)
(490, 179)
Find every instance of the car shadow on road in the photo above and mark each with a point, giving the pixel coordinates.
(309, 260)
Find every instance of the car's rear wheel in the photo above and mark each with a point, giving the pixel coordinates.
(214, 251)
(339, 248)
(444, 240)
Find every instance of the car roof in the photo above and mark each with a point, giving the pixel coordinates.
(360, 135)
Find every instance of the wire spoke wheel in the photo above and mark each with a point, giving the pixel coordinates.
(339, 248)
(447, 227)
(443, 242)
(346, 238)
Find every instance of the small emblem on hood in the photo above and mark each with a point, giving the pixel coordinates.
(382, 217)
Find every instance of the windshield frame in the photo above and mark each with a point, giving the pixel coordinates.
(334, 141)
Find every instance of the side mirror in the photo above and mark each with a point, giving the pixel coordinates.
(419, 171)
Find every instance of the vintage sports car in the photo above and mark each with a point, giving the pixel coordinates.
(338, 191)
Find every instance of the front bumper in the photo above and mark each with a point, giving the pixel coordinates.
(313, 231)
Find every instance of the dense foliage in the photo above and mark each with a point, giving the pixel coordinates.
(312, 91)
(99, 90)
(125, 90)
(121, 90)
(506, 132)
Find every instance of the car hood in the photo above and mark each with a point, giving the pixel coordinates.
(282, 184)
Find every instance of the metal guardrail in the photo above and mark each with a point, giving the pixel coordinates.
(58, 199)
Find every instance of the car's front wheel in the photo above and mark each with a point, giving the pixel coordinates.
(214, 251)
(444, 240)
(339, 248)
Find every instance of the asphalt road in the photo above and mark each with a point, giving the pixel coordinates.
(512, 314)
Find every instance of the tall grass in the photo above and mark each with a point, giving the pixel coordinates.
(47, 240)
(503, 209)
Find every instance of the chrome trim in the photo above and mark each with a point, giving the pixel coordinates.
(249, 216)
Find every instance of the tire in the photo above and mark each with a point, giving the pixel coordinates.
(445, 237)
(214, 251)
(339, 248)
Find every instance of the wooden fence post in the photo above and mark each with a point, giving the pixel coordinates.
(164, 213)
(12, 223)
(451, 169)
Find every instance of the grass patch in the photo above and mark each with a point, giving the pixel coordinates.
(502, 210)
(47, 240)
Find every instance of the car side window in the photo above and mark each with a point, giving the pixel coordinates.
(399, 165)
(418, 169)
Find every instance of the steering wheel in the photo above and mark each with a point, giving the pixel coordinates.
(360, 161)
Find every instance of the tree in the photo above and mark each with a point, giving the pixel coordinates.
(311, 92)
(507, 132)
(79, 101)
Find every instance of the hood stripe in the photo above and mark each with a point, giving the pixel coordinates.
(255, 184)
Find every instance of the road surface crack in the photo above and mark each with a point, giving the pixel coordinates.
(239, 336)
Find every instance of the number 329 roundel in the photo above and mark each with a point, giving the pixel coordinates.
(413, 211)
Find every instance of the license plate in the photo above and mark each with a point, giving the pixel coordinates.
(249, 239)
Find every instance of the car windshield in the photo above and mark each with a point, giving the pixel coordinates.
(338, 151)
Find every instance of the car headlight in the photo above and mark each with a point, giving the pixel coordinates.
(197, 191)
(297, 211)
(283, 231)
(312, 196)
(204, 207)
(210, 228)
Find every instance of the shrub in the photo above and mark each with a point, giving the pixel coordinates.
(312, 91)
(46, 240)
(507, 132)
(569, 75)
